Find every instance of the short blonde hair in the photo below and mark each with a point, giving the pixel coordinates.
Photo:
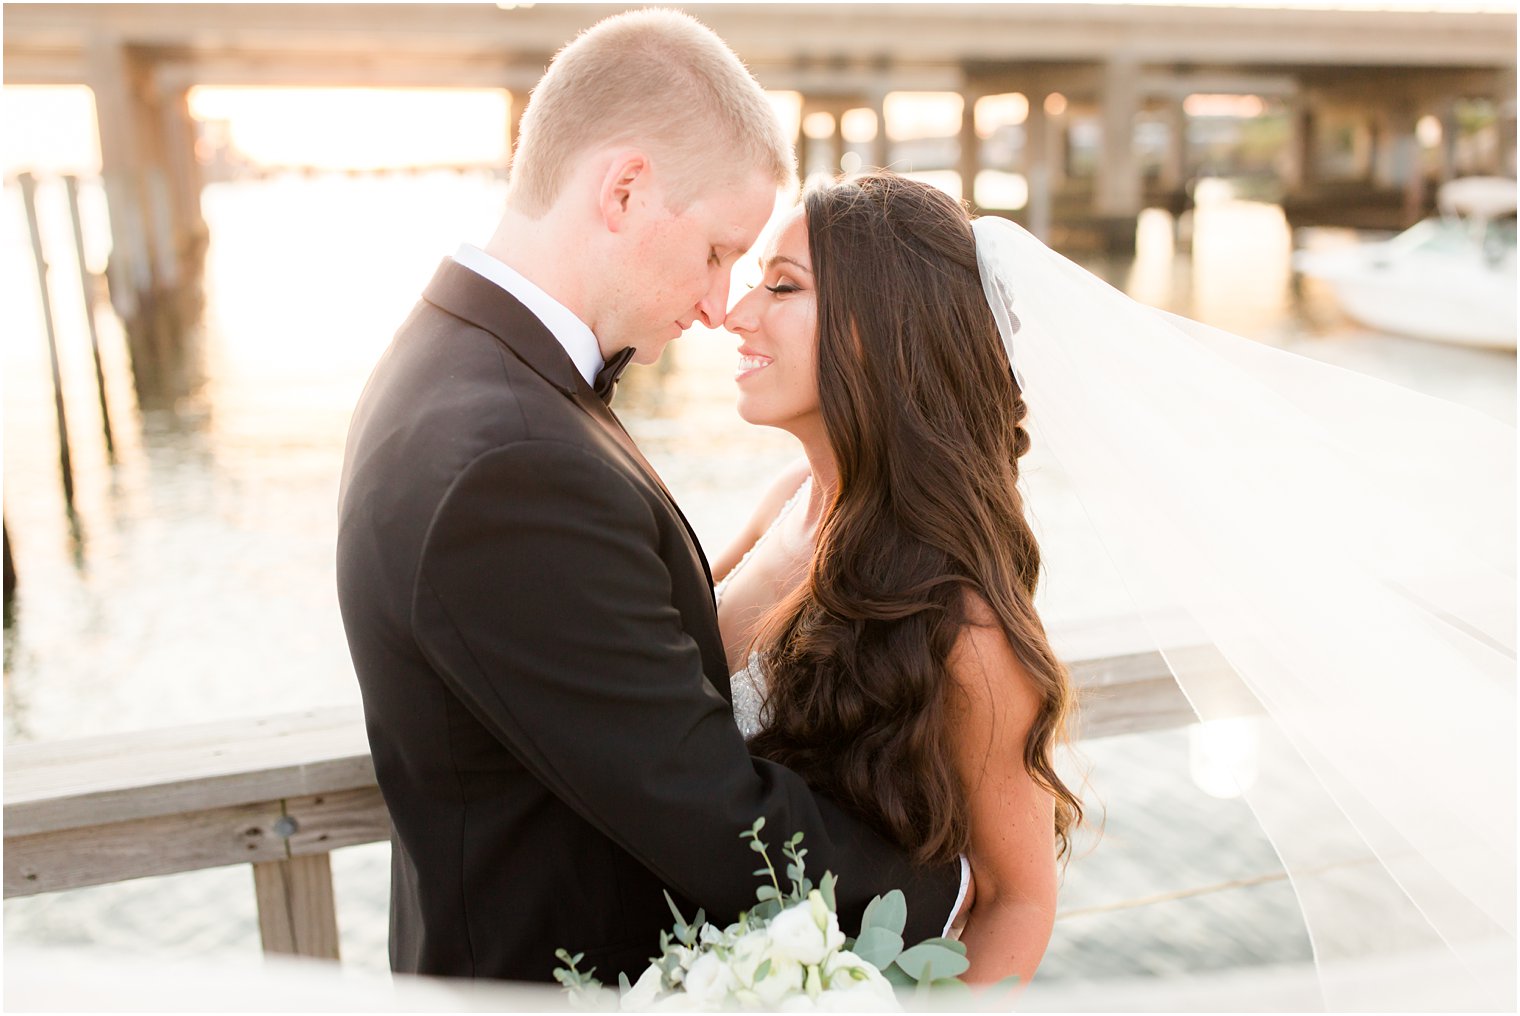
(651, 77)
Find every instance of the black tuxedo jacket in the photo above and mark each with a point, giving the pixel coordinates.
(532, 624)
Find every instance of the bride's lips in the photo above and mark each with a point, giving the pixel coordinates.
(750, 363)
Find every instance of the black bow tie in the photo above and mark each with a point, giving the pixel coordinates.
(607, 377)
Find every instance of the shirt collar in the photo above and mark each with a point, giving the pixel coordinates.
(571, 332)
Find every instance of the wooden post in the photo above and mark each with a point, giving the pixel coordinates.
(297, 915)
(72, 184)
(29, 196)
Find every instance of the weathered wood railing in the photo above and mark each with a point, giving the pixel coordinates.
(282, 792)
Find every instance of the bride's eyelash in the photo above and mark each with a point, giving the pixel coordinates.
(782, 287)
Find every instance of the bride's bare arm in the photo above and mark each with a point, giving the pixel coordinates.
(783, 487)
(1012, 818)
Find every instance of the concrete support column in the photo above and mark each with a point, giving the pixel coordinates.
(153, 186)
(970, 161)
(130, 270)
(517, 102)
(1174, 168)
(1037, 165)
(1407, 170)
(1059, 139)
(185, 184)
(881, 145)
(1504, 104)
(1118, 183)
(833, 145)
(1449, 134)
(836, 141)
(1297, 166)
(1386, 158)
(803, 148)
(1118, 193)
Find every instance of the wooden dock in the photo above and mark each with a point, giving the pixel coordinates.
(282, 792)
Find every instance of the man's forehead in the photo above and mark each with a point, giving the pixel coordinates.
(739, 215)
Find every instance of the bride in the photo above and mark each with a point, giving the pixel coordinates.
(1328, 555)
(878, 611)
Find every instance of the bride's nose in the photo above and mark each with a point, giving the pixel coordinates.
(741, 316)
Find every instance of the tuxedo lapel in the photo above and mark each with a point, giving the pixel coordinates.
(599, 411)
(475, 299)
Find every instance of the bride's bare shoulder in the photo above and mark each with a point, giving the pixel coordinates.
(777, 494)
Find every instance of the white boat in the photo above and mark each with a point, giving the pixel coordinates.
(1450, 278)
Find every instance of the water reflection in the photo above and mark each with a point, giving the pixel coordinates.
(195, 581)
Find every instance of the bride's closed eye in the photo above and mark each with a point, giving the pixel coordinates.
(781, 288)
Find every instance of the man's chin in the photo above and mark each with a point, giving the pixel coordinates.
(647, 352)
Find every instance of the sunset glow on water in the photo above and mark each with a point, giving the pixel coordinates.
(200, 583)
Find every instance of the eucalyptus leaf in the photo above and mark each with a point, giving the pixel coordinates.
(889, 912)
(944, 943)
(878, 947)
(826, 887)
(765, 892)
(927, 961)
(950, 989)
(897, 977)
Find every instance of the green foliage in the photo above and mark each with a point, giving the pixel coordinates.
(585, 990)
(928, 960)
(878, 947)
(933, 965)
(889, 912)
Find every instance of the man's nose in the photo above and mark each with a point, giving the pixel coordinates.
(713, 307)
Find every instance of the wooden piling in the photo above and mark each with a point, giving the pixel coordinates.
(72, 184)
(29, 196)
(10, 568)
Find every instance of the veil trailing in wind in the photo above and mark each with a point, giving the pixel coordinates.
(1331, 556)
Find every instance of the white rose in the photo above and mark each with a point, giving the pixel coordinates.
(679, 1002)
(642, 995)
(709, 981)
(685, 957)
(805, 932)
(750, 953)
(783, 980)
(853, 985)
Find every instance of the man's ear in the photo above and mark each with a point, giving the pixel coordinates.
(625, 188)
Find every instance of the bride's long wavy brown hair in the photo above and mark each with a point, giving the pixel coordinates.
(924, 420)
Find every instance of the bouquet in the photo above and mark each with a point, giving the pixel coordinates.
(786, 952)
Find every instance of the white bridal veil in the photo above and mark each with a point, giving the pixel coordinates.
(1328, 554)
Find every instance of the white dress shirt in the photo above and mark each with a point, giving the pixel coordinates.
(570, 331)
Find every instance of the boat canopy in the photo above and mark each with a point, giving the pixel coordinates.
(1482, 197)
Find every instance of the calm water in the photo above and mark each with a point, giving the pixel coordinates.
(197, 582)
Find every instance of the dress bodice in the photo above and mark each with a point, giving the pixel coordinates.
(747, 687)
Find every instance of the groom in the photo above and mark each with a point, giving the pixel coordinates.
(529, 614)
